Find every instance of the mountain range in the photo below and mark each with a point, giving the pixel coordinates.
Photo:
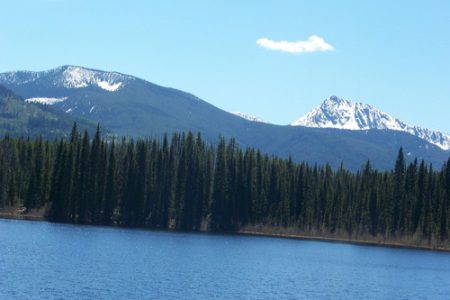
(125, 105)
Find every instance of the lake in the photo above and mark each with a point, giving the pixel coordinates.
(40, 260)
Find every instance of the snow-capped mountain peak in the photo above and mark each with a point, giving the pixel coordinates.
(70, 77)
(339, 113)
(248, 117)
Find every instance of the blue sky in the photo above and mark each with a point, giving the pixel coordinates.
(391, 54)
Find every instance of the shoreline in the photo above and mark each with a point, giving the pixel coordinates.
(341, 240)
(255, 233)
(25, 217)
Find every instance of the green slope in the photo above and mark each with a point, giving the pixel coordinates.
(19, 118)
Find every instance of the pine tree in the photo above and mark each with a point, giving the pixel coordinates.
(57, 195)
(220, 190)
(110, 189)
(398, 201)
(83, 180)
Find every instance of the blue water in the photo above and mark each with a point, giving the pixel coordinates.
(40, 260)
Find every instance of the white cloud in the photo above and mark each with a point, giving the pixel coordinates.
(313, 44)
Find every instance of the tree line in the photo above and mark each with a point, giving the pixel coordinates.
(181, 182)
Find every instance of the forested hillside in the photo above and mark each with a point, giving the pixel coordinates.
(183, 183)
(20, 118)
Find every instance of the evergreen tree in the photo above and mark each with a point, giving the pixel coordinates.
(110, 189)
(83, 180)
(220, 190)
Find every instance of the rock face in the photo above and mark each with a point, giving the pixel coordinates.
(339, 113)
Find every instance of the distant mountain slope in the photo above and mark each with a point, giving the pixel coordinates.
(20, 118)
(135, 107)
(343, 114)
(248, 117)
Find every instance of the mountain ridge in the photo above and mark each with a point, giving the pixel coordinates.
(73, 77)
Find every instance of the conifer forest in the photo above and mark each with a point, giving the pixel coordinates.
(183, 183)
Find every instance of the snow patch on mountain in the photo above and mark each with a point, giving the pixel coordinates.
(344, 114)
(77, 77)
(112, 87)
(248, 117)
(46, 100)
